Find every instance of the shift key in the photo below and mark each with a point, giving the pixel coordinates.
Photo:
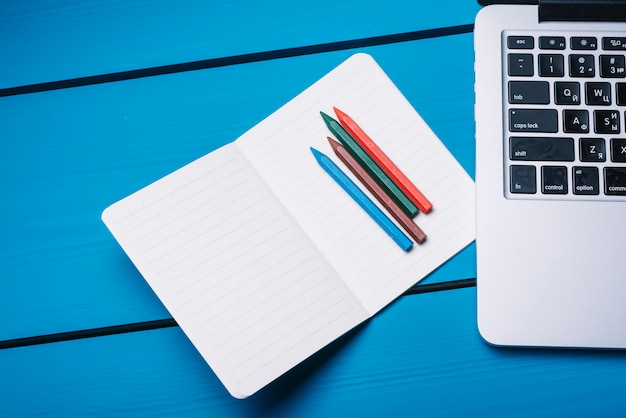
(533, 120)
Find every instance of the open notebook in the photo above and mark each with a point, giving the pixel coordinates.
(262, 259)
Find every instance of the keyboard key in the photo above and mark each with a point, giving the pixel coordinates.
(551, 42)
(541, 149)
(615, 181)
(586, 181)
(568, 93)
(533, 120)
(553, 180)
(614, 43)
(576, 121)
(520, 42)
(530, 92)
(618, 150)
(612, 66)
(582, 66)
(592, 150)
(523, 179)
(551, 65)
(584, 42)
(598, 94)
(521, 64)
(606, 121)
(620, 94)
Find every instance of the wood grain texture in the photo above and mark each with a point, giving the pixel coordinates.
(67, 154)
(421, 356)
(43, 41)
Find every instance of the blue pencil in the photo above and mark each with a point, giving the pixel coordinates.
(361, 198)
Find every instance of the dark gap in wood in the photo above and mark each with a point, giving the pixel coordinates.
(235, 60)
(170, 322)
(88, 333)
(438, 287)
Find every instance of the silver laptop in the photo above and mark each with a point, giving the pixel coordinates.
(551, 173)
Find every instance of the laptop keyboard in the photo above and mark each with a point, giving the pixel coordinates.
(565, 115)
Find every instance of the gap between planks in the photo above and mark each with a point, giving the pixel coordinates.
(236, 59)
(170, 322)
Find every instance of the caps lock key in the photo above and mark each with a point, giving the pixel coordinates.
(533, 120)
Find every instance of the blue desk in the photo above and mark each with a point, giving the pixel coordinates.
(100, 98)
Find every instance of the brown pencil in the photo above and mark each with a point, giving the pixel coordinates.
(407, 223)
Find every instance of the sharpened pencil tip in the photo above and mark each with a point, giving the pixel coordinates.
(333, 144)
(328, 119)
(316, 153)
(339, 113)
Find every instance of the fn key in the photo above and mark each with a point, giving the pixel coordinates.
(523, 179)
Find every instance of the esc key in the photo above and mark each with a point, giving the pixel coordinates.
(520, 42)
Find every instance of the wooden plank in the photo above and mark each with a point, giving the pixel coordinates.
(67, 154)
(44, 41)
(421, 356)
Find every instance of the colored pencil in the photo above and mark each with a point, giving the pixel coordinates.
(370, 166)
(363, 201)
(407, 223)
(384, 161)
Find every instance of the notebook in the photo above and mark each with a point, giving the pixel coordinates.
(262, 258)
(551, 174)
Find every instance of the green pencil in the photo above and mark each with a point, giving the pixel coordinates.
(377, 173)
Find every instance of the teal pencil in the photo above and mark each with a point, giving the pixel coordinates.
(373, 169)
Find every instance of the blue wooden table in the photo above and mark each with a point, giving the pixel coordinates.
(100, 98)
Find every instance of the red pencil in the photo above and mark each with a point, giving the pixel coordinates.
(384, 162)
(392, 207)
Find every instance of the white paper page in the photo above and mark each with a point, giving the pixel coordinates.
(241, 279)
(372, 265)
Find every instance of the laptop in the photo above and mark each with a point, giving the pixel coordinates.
(551, 173)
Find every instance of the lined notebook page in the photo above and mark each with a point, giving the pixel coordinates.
(262, 258)
(372, 265)
(239, 276)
